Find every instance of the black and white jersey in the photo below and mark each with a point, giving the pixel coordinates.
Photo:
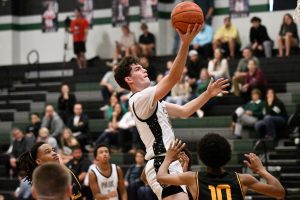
(152, 122)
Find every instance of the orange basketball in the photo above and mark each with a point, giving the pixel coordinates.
(186, 13)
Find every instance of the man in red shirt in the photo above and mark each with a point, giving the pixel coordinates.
(79, 29)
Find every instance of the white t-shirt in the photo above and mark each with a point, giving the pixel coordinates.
(152, 122)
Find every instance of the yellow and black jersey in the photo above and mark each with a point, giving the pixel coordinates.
(225, 186)
(76, 188)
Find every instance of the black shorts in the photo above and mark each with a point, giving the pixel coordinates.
(79, 47)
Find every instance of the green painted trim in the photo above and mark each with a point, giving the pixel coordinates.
(133, 18)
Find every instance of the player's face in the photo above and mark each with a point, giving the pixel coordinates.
(138, 77)
(103, 155)
(139, 158)
(45, 154)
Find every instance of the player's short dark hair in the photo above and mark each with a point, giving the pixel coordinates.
(123, 70)
(214, 150)
(99, 146)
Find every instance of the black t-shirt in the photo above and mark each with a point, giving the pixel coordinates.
(147, 39)
(227, 183)
(259, 34)
(79, 166)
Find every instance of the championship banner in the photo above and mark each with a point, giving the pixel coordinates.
(148, 10)
(239, 8)
(120, 12)
(87, 7)
(50, 16)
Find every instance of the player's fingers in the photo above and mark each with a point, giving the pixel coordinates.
(247, 163)
(225, 92)
(211, 81)
(225, 86)
(222, 82)
(182, 146)
(219, 81)
(195, 28)
(189, 29)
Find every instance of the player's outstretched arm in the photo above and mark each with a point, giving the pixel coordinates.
(166, 84)
(163, 177)
(272, 188)
(213, 89)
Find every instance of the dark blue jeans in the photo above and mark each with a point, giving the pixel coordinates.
(269, 125)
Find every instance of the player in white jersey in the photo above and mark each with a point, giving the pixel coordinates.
(105, 178)
(152, 116)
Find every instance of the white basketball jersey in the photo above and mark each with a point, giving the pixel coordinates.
(107, 184)
(152, 122)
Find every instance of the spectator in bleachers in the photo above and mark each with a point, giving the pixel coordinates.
(133, 174)
(168, 66)
(147, 41)
(32, 129)
(254, 79)
(79, 28)
(126, 46)
(53, 122)
(242, 69)
(109, 86)
(110, 136)
(106, 179)
(202, 42)
(23, 192)
(208, 7)
(144, 61)
(261, 44)
(114, 100)
(274, 116)
(288, 36)
(127, 125)
(66, 102)
(79, 125)
(248, 115)
(46, 138)
(67, 143)
(20, 144)
(193, 68)
(180, 93)
(80, 165)
(218, 66)
(227, 38)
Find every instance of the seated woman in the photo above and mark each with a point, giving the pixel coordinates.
(218, 66)
(181, 91)
(67, 143)
(247, 115)
(275, 116)
(110, 135)
(288, 36)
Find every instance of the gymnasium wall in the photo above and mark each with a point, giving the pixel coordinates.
(20, 31)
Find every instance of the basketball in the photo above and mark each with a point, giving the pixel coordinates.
(186, 13)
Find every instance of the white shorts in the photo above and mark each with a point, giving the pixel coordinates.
(151, 169)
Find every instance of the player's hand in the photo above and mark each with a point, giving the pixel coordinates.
(254, 163)
(174, 150)
(214, 88)
(184, 161)
(187, 38)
